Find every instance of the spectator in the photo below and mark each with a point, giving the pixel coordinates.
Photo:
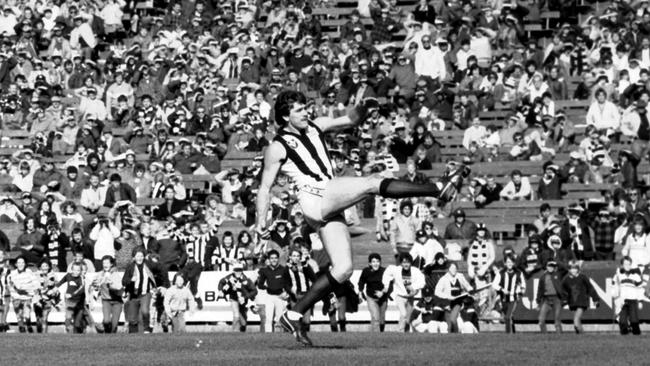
(301, 277)
(510, 283)
(109, 284)
(75, 299)
(578, 290)
(550, 295)
(104, 234)
(274, 280)
(371, 289)
(238, 290)
(550, 186)
(460, 228)
(403, 228)
(635, 245)
(545, 218)
(425, 249)
(451, 288)
(628, 281)
(178, 301)
(517, 189)
(407, 281)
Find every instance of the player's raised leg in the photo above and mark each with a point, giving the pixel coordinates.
(336, 241)
(343, 192)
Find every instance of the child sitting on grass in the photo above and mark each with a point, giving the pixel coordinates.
(178, 300)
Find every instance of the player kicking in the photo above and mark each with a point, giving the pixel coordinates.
(299, 151)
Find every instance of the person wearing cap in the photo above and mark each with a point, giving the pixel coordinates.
(530, 259)
(428, 314)
(550, 295)
(628, 289)
(578, 291)
(407, 282)
(425, 248)
(90, 105)
(550, 186)
(480, 256)
(460, 228)
(238, 289)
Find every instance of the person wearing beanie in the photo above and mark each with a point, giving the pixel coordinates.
(530, 259)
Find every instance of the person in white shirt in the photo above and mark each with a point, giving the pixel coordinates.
(82, 36)
(23, 177)
(463, 54)
(429, 60)
(104, 234)
(9, 212)
(451, 287)
(424, 249)
(517, 189)
(407, 282)
(91, 106)
(603, 114)
(637, 244)
(8, 22)
(474, 133)
(112, 15)
(93, 197)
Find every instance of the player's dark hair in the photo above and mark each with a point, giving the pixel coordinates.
(283, 104)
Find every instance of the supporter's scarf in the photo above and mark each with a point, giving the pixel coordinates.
(148, 276)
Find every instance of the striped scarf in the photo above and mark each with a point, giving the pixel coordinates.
(299, 283)
(147, 279)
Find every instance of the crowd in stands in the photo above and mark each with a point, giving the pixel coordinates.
(119, 119)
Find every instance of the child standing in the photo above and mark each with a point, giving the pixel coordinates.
(178, 300)
(629, 288)
(550, 296)
(23, 284)
(578, 289)
(75, 299)
(510, 285)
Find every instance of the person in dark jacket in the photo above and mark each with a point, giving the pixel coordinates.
(550, 295)
(170, 207)
(139, 281)
(238, 290)
(530, 259)
(370, 289)
(118, 191)
(550, 186)
(274, 279)
(555, 252)
(578, 289)
(461, 228)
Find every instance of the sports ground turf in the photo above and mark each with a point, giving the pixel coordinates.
(331, 349)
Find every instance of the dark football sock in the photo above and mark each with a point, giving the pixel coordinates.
(323, 286)
(393, 188)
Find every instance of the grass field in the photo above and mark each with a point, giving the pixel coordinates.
(331, 349)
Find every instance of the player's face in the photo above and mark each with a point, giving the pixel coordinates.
(298, 116)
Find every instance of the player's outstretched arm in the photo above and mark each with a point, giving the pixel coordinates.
(354, 116)
(272, 161)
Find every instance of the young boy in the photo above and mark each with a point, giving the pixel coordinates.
(550, 295)
(75, 299)
(178, 300)
(578, 289)
(629, 287)
(510, 285)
